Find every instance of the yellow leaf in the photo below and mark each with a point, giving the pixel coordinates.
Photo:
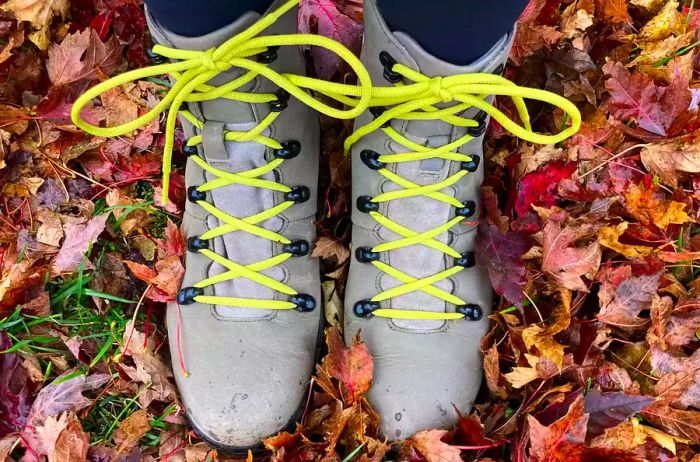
(521, 376)
(37, 12)
(651, 208)
(609, 237)
(41, 38)
(668, 21)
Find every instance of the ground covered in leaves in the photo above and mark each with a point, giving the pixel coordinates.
(591, 246)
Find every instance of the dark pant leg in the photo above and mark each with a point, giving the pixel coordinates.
(192, 18)
(456, 31)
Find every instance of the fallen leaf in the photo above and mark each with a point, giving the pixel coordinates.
(330, 249)
(131, 430)
(636, 96)
(609, 236)
(607, 410)
(540, 187)
(672, 159)
(79, 238)
(352, 365)
(681, 423)
(623, 296)
(649, 208)
(80, 56)
(429, 444)
(566, 262)
(37, 12)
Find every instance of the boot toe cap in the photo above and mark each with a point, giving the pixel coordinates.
(245, 381)
(421, 381)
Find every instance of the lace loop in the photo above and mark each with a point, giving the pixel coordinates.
(193, 69)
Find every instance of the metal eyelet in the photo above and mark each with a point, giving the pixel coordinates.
(304, 302)
(298, 194)
(280, 104)
(371, 159)
(467, 210)
(186, 295)
(298, 248)
(471, 165)
(364, 308)
(467, 260)
(189, 150)
(480, 129)
(195, 244)
(269, 55)
(289, 150)
(155, 57)
(389, 62)
(376, 112)
(194, 194)
(365, 204)
(471, 312)
(366, 255)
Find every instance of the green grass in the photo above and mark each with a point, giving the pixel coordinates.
(74, 314)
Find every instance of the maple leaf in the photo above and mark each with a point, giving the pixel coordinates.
(609, 236)
(72, 443)
(543, 337)
(649, 207)
(607, 410)
(636, 96)
(502, 256)
(530, 38)
(80, 55)
(612, 10)
(679, 383)
(430, 445)
(16, 389)
(331, 249)
(681, 423)
(668, 21)
(166, 277)
(64, 395)
(492, 372)
(131, 430)
(149, 367)
(563, 440)
(324, 18)
(540, 187)
(37, 12)
(78, 239)
(682, 325)
(566, 263)
(352, 366)
(672, 159)
(623, 296)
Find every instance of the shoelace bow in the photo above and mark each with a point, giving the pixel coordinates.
(191, 72)
(417, 100)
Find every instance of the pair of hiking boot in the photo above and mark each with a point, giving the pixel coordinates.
(245, 328)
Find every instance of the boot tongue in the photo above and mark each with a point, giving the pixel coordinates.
(219, 110)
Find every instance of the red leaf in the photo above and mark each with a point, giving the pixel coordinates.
(540, 187)
(636, 96)
(323, 17)
(502, 256)
(352, 366)
(624, 296)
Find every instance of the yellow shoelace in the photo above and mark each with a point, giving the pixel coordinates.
(191, 72)
(416, 101)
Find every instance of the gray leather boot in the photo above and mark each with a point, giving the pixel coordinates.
(247, 367)
(423, 367)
